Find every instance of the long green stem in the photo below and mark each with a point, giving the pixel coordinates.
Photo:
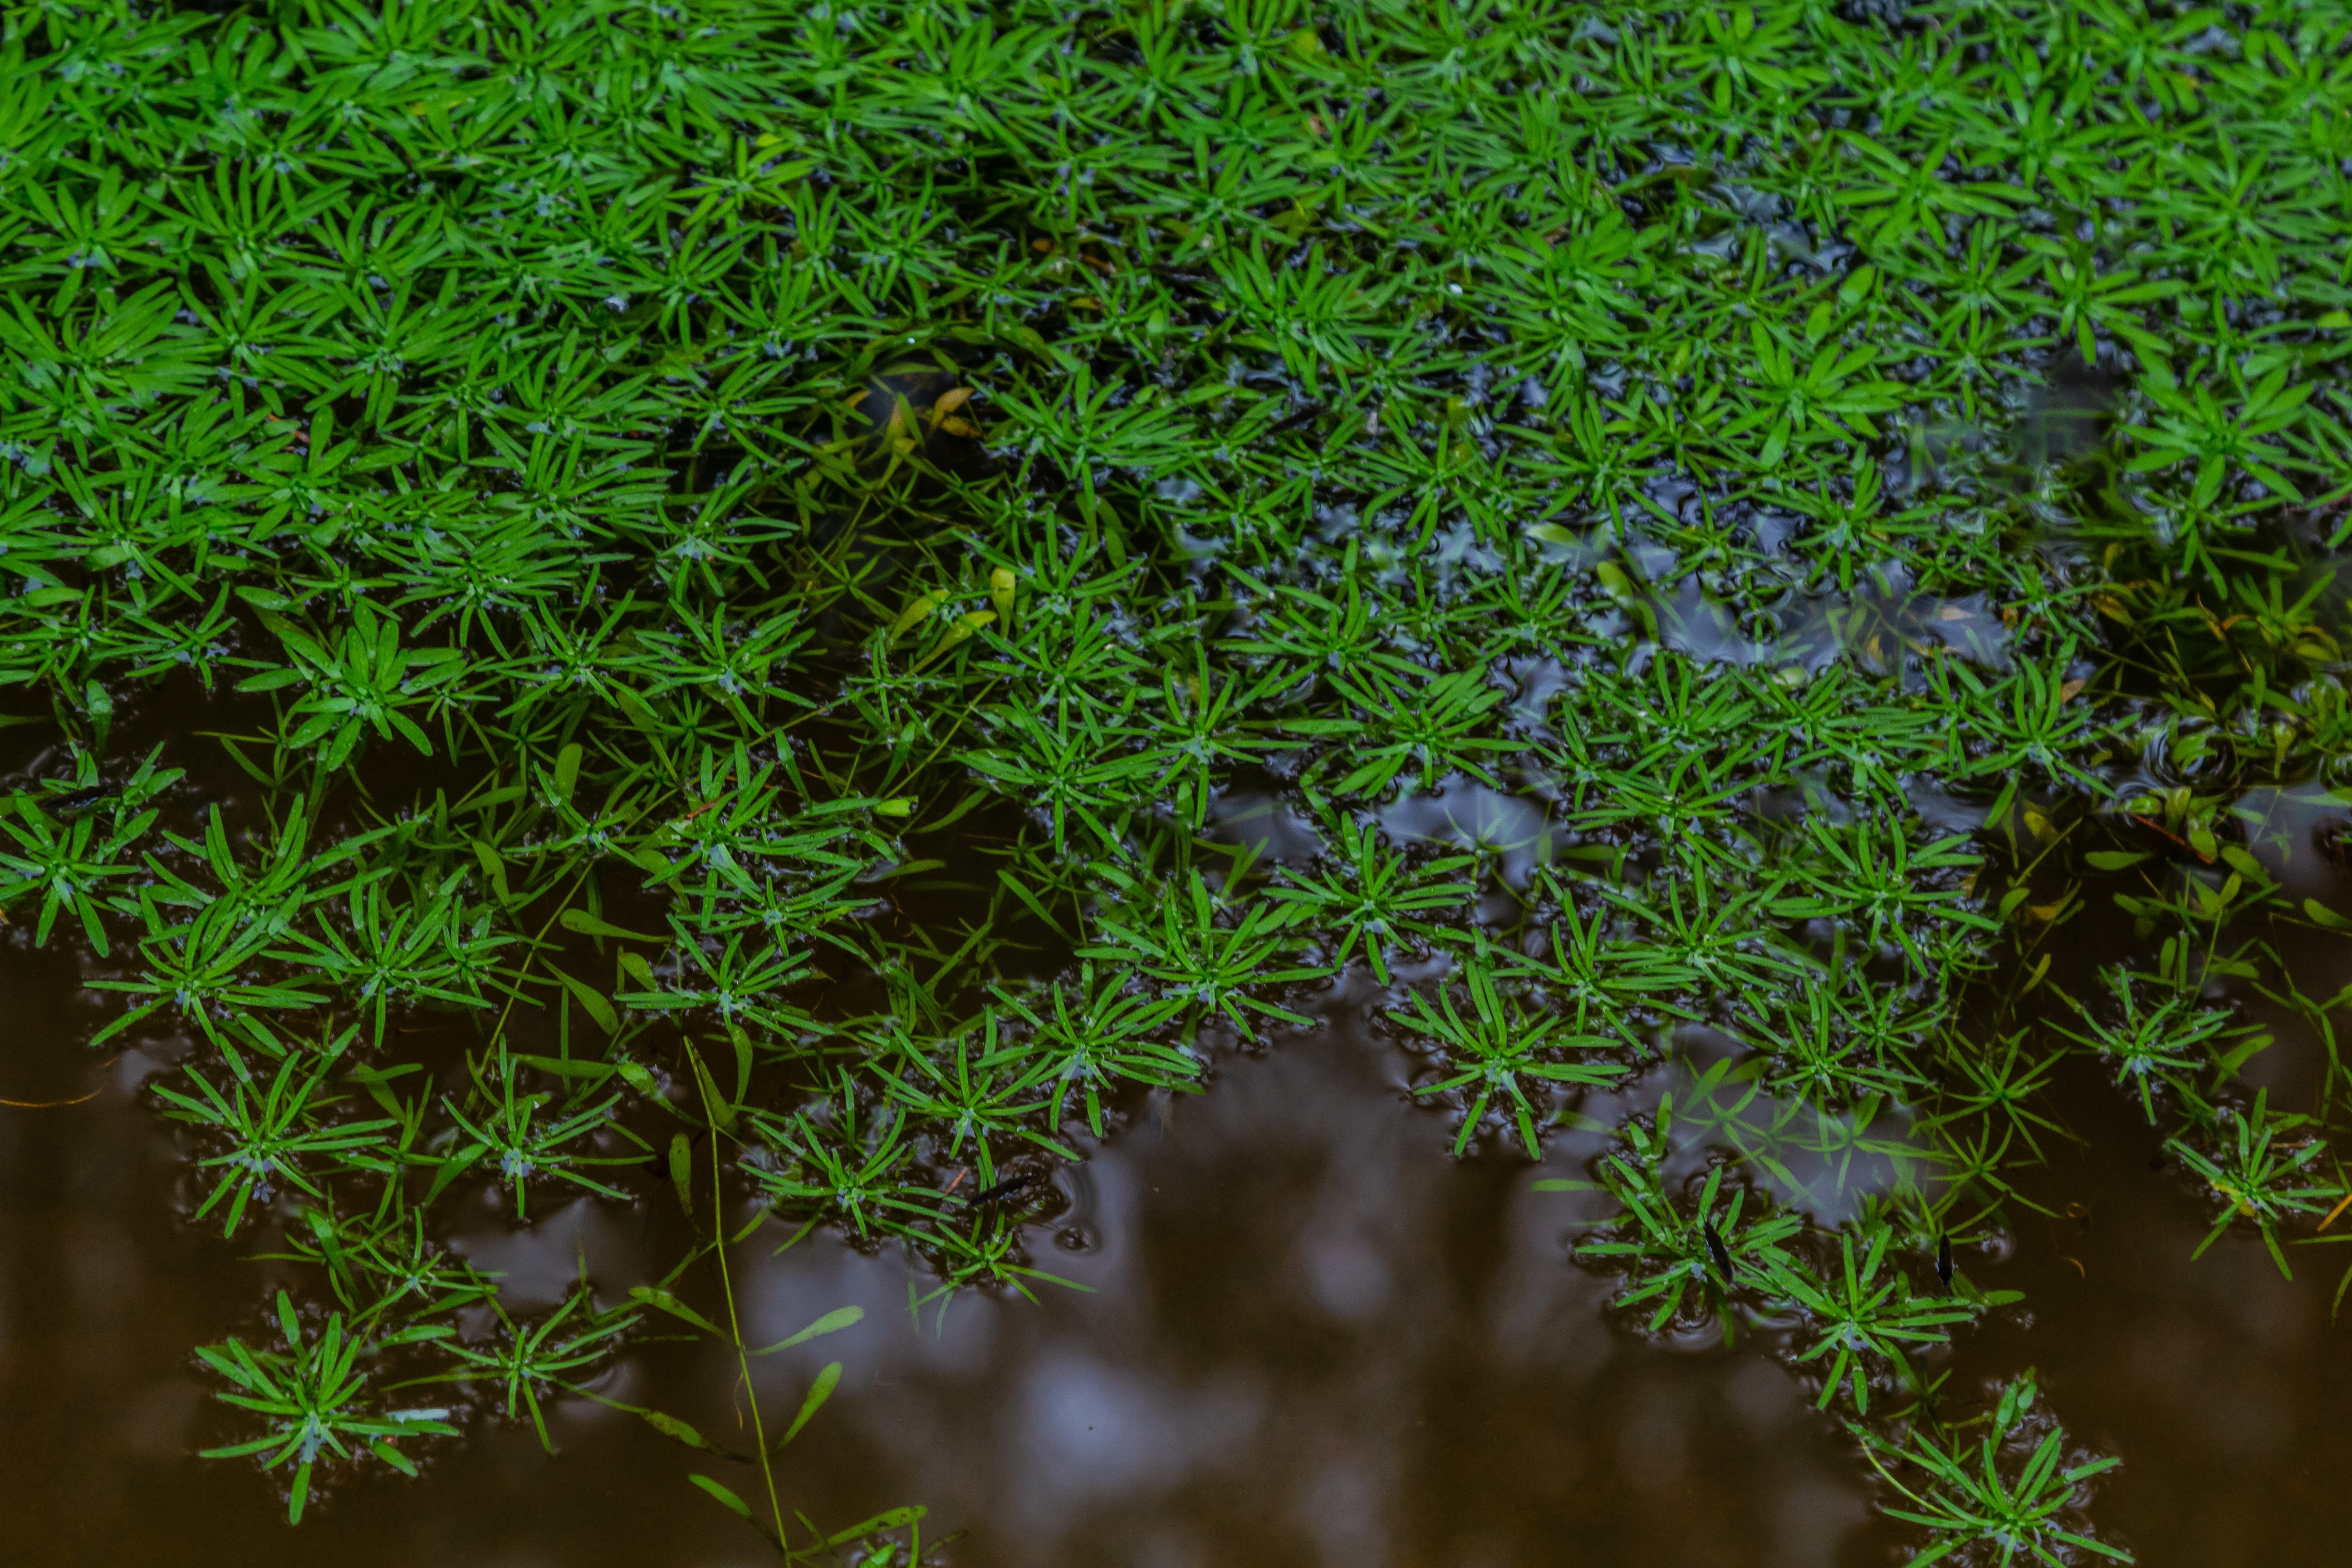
(727, 1287)
(514, 992)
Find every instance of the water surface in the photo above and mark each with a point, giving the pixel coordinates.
(1309, 1337)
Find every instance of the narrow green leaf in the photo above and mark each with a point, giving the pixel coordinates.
(742, 1043)
(598, 1010)
(722, 1493)
(819, 1392)
(494, 867)
(393, 1457)
(2321, 915)
(654, 1295)
(681, 1170)
(838, 1319)
(581, 923)
(895, 1519)
(671, 1426)
(567, 770)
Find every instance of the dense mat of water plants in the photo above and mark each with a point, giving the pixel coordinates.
(775, 608)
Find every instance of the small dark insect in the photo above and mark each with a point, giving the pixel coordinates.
(83, 799)
(1003, 1189)
(1944, 1260)
(1717, 1250)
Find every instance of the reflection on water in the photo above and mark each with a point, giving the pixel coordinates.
(2221, 1385)
(1518, 831)
(1312, 1338)
(1309, 1337)
(1826, 1164)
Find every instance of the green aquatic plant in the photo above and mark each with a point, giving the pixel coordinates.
(526, 1360)
(1967, 1498)
(1998, 1089)
(272, 1130)
(312, 1395)
(1372, 898)
(1670, 1256)
(1860, 1313)
(977, 1100)
(1098, 1031)
(70, 864)
(852, 1174)
(2257, 1175)
(360, 681)
(730, 564)
(1488, 1047)
(2174, 1037)
(1207, 958)
(508, 1134)
(379, 1269)
(1835, 1044)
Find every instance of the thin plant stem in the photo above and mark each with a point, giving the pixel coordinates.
(734, 1325)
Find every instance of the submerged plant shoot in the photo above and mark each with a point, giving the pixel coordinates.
(763, 628)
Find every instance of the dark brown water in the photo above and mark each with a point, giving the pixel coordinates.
(1310, 1337)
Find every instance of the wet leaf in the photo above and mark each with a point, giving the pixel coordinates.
(656, 1296)
(819, 1392)
(838, 1319)
(681, 1171)
(724, 1494)
(580, 922)
(599, 1010)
